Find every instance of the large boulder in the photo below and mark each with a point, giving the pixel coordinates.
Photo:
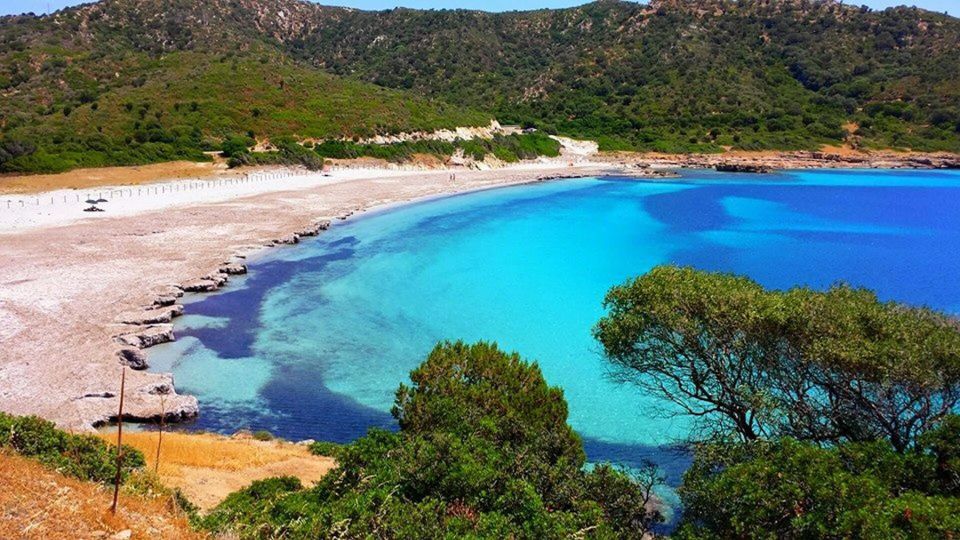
(201, 285)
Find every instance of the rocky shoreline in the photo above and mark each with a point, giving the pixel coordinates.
(153, 325)
(769, 161)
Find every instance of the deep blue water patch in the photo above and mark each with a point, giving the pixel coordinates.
(314, 342)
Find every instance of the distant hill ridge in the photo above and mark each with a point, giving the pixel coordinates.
(132, 81)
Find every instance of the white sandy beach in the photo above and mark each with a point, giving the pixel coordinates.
(60, 207)
(69, 275)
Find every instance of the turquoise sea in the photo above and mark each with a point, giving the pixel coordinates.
(314, 341)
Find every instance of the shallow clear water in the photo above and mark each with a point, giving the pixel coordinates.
(313, 343)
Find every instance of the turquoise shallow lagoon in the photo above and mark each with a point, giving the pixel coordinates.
(313, 343)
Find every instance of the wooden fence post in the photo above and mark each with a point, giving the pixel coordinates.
(118, 477)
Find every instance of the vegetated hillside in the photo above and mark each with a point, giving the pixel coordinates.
(677, 75)
(126, 82)
(131, 81)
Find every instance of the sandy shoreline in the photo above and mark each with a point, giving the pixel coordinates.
(70, 279)
(19, 212)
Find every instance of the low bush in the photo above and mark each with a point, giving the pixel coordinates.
(263, 435)
(327, 449)
(82, 456)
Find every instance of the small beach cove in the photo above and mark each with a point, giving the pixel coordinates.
(314, 341)
(69, 283)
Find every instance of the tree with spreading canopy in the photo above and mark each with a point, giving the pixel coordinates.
(821, 366)
(821, 414)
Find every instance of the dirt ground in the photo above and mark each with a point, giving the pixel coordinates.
(209, 467)
(38, 503)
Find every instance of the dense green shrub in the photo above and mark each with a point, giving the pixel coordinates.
(288, 152)
(509, 148)
(791, 489)
(236, 145)
(324, 448)
(250, 504)
(83, 456)
(483, 451)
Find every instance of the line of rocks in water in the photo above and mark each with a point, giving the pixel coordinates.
(153, 325)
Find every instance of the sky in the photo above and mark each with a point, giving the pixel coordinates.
(8, 7)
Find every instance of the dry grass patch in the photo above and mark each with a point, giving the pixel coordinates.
(109, 176)
(36, 502)
(209, 467)
(208, 451)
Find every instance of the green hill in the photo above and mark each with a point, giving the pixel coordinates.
(134, 81)
(677, 75)
(107, 85)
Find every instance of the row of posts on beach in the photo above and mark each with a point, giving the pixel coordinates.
(156, 190)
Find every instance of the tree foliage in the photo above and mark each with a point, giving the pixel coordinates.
(826, 367)
(791, 489)
(824, 414)
(483, 451)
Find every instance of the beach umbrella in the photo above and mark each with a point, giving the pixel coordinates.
(102, 200)
(91, 201)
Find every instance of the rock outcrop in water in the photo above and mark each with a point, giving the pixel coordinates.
(161, 315)
(289, 239)
(233, 269)
(165, 300)
(742, 168)
(148, 336)
(207, 284)
(151, 396)
(133, 358)
(316, 229)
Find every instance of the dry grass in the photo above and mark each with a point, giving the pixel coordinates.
(208, 451)
(109, 176)
(36, 502)
(209, 467)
